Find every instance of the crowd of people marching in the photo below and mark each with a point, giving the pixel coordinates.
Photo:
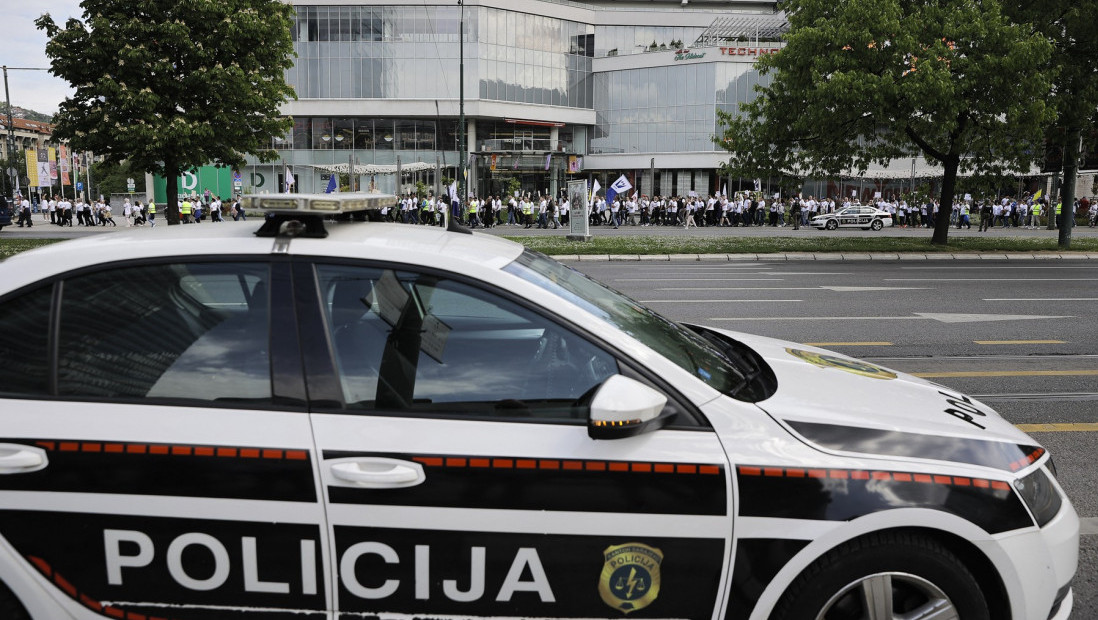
(542, 212)
(63, 211)
(742, 209)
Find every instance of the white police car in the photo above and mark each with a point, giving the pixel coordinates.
(857, 216)
(350, 420)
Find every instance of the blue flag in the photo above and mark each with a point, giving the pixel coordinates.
(331, 184)
(620, 186)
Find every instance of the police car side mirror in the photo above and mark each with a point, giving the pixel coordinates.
(623, 407)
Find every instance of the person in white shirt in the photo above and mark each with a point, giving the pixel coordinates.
(65, 207)
(108, 218)
(215, 210)
(497, 208)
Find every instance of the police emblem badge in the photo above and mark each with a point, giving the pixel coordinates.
(630, 576)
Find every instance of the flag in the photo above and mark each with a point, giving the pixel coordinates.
(548, 158)
(620, 186)
(289, 179)
(758, 185)
(332, 186)
(1037, 196)
(594, 190)
(724, 191)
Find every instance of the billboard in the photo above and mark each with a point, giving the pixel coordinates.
(218, 180)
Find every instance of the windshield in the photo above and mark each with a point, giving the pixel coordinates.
(681, 346)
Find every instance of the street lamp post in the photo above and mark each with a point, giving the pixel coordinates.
(11, 127)
(463, 152)
(11, 131)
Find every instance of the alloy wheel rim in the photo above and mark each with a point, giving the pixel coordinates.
(889, 596)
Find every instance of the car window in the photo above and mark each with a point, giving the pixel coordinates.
(196, 331)
(677, 344)
(416, 342)
(24, 343)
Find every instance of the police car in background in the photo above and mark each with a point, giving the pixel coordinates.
(345, 420)
(857, 216)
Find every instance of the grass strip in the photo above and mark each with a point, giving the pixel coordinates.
(738, 245)
(771, 245)
(11, 247)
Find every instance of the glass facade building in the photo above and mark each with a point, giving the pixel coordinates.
(553, 90)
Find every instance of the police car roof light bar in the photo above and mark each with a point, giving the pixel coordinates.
(308, 211)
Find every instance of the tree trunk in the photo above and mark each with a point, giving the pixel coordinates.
(949, 183)
(171, 178)
(1072, 146)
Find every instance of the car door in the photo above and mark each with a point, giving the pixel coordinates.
(459, 476)
(156, 456)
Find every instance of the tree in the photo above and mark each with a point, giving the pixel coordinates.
(110, 178)
(863, 81)
(17, 160)
(1069, 26)
(170, 84)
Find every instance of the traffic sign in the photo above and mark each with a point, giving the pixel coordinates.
(79, 186)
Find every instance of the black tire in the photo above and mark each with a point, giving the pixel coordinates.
(832, 224)
(915, 572)
(877, 225)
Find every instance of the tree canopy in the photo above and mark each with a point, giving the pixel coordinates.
(864, 81)
(1069, 25)
(172, 84)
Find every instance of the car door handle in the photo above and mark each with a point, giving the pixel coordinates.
(379, 473)
(19, 459)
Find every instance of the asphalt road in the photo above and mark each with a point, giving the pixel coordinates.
(1020, 335)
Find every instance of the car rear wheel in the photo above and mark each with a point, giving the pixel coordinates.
(877, 225)
(832, 224)
(884, 577)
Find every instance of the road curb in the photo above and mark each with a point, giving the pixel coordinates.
(836, 256)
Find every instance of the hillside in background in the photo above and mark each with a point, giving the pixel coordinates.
(30, 115)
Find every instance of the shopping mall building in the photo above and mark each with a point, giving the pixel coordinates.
(554, 90)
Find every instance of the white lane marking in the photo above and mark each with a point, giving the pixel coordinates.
(985, 279)
(700, 279)
(919, 316)
(1011, 267)
(715, 301)
(822, 318)
(1042, 299)
(856, 289)
(1088, 526)
(742, 288)
(980, 318)
(838, 289)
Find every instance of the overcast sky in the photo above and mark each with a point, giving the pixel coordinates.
(25, 46)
